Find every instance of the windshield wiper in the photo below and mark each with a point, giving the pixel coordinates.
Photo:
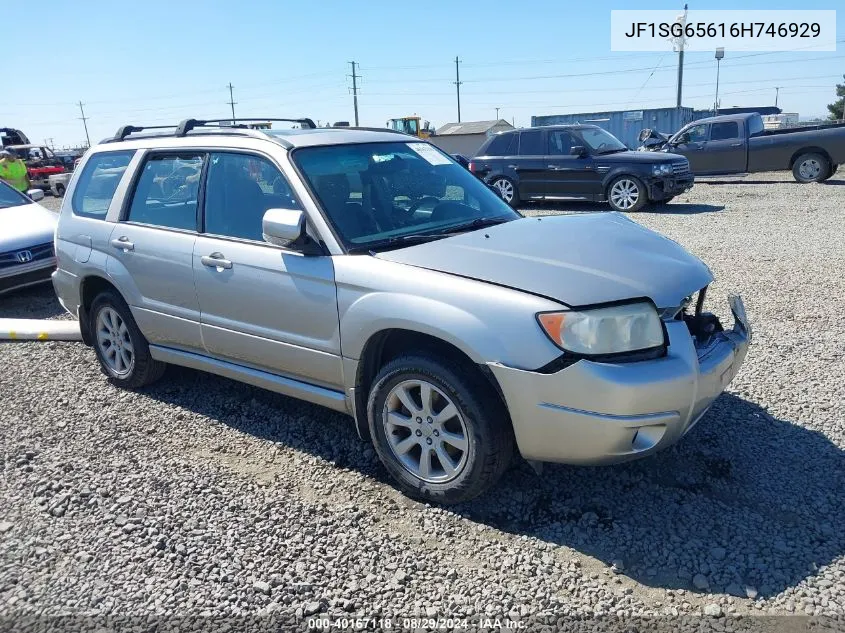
(612, 151)
(477, 223)
(420, 238)
(397, 240)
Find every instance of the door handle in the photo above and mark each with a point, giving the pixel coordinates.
(736, 144)
(215, 260)
(123, 243)
(554, 167)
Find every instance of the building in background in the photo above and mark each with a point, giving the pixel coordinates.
(468, 136)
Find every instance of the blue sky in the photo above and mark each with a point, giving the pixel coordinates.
(158, 62)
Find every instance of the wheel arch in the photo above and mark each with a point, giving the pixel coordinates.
(89, 288)
(812, 149)
(387, 344)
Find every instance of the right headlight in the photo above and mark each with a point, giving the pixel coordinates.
(628, 327)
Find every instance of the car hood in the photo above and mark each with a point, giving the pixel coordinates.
(578, 260)
(26, 225)
(633, 156)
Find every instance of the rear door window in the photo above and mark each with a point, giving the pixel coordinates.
(167, 191)
(98, 182)
(531, 143)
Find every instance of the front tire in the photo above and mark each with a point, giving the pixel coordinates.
(810, 168)
(439, 429)
(507, 190)
(627, 194)
(122, 350)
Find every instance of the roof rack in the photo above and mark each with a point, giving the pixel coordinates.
(189, 124)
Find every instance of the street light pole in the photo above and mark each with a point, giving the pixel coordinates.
(497, 114)
(720, 53)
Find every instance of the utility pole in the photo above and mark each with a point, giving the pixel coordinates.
(680, 42)
(355, 92)
(777, 90)
(84, 123)
(720, 53)
(458, 85)
(232, 101)
(497, 114)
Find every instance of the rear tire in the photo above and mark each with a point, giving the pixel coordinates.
(830, 173)
(122, 350)
(810, 167)
(423, 408)
(60, 190)
(627, 194)
(507, 190)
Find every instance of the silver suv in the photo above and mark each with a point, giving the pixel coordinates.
(366, 271)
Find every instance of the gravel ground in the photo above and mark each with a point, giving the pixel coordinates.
(200, 496)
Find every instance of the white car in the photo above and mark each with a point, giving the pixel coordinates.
(27, 256)
(58, 183)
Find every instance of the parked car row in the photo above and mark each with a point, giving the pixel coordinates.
(585, 162)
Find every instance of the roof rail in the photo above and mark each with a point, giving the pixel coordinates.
(189, 124)
(125, 130)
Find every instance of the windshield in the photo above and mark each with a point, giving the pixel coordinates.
(377, 194)
(600, 141)
(9, 197)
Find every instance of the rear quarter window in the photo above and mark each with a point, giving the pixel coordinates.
(502, 145)
(98, 182)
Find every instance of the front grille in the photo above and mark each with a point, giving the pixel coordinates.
(24, 256)
(680, 169)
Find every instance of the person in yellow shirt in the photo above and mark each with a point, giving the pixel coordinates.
(13, 171)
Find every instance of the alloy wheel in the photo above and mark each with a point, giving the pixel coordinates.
(624, 193)
(426, 432)
(114, 342)
(505, 189)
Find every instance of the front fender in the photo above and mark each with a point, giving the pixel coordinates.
(378, 311)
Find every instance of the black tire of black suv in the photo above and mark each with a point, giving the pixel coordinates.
(486, 427)
(514, 200)
(824, 167)
(144, 368)
(642, 196)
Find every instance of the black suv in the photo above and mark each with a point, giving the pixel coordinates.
(578, 162)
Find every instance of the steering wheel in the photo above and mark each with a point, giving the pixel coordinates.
(414, 207)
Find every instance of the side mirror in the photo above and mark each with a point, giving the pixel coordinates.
(282, 227)
(35, 194)
(578, 150)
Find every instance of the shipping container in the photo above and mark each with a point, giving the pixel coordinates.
(624, 124)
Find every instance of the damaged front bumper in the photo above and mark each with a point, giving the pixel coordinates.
(597, 413)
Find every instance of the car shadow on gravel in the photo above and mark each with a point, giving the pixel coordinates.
(35, 302)
(746, 504)
(786, 181)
